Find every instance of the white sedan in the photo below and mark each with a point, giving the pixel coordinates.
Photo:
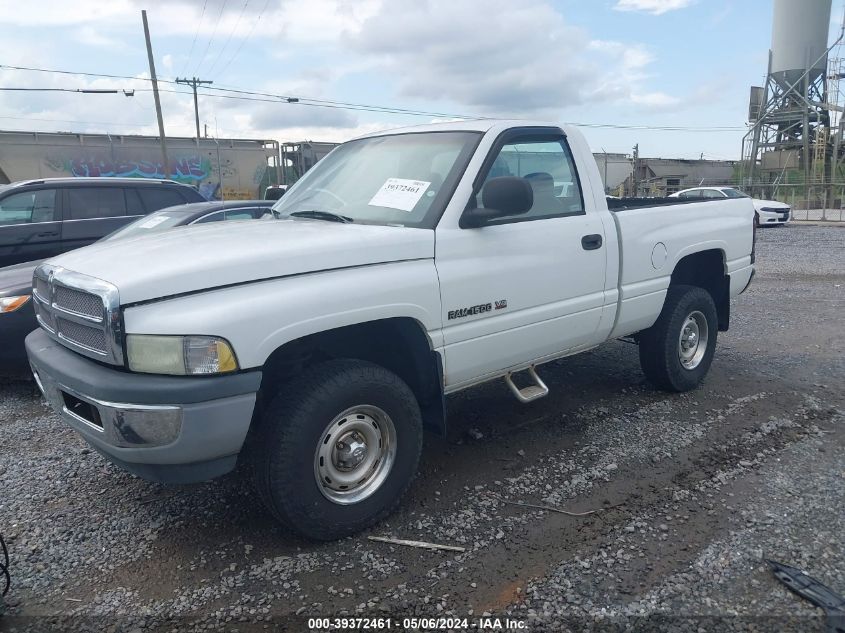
(765, 211)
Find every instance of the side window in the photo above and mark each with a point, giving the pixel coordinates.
(711, 193)
(687, 195)
(155, 198)
(211, 217)
(547, 164)
(133, 203)
(241, 214)
(28, 207)
(85, 203)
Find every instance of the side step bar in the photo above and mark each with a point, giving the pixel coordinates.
(530, 393)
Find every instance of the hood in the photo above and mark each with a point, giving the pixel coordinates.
(17, 279)
(769, 204)
(192, 258)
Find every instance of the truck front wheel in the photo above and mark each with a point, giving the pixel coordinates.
(676, 352)
(337, 448)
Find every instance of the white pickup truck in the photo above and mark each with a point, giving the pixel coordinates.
(406, 265)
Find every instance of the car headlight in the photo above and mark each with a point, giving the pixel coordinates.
(180, 355)
(10, 304)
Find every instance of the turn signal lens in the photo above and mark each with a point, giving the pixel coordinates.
(207, 355)
(10, 304)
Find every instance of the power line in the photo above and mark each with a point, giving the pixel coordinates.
(665, 128)
(308, 103)
(97, 91)
(211, 39)
(193, 43)
(229, 39)
(244, 40)
(70, 72)
(345, 104)
(251, 95)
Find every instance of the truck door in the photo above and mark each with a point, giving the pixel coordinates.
(525, 287)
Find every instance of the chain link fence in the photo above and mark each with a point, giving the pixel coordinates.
(819, 202)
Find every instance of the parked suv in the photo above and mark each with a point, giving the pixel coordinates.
(42, 218)
(17, 318)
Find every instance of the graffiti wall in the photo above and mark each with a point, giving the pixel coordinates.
(188, 170)
(234, 169)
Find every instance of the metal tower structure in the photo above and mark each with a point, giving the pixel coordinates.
(791, 123)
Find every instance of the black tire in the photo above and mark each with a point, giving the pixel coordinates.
(291, 431)
(660, 344)
(757, 220)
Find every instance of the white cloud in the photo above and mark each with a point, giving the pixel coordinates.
(490, 57)
(655, 7)
(88, 35)
(486, 57)
(656, 100)
(632, 56)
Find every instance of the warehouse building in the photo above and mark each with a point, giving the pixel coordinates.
(656, 177)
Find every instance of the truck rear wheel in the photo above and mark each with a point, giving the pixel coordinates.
(676, 352)
(337, 448)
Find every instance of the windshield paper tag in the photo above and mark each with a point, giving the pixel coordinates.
(399, 193)
(152, 222)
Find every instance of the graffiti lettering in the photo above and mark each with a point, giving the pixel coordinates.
(181, 169)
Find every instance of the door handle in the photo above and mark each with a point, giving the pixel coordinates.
(591, 242)
(47, 234)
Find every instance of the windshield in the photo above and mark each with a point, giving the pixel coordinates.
(152, 223)
(404, 179)
(733, 193)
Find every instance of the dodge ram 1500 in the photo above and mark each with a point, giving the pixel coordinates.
(407, 265)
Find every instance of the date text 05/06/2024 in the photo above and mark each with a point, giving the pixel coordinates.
(491, 623)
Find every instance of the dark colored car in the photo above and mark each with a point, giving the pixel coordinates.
(42, 218)
(17, 317)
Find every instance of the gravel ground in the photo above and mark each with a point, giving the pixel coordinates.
(690, 493)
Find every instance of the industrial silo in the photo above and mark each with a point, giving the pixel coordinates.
(799, 40)
(788, 151)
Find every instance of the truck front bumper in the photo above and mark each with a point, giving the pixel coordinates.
(170, 429)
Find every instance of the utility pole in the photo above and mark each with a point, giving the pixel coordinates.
(166, 164)
(193, 83)
(636, 177)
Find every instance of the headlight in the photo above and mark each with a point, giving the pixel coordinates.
(180, 355)
(10, 304)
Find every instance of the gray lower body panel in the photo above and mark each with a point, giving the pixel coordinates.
(171, 429)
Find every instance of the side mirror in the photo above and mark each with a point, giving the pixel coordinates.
(501, 197)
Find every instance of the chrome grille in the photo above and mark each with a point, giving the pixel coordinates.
(92, 338)
(79, 302)
(80, 312)
(42, 288)
(45, 317)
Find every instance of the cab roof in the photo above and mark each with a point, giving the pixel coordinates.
(465, 125)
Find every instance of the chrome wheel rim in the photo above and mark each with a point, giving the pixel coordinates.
(355, 454)
(692, 342)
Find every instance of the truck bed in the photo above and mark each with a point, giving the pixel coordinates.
(656, 233)
(623, 204)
